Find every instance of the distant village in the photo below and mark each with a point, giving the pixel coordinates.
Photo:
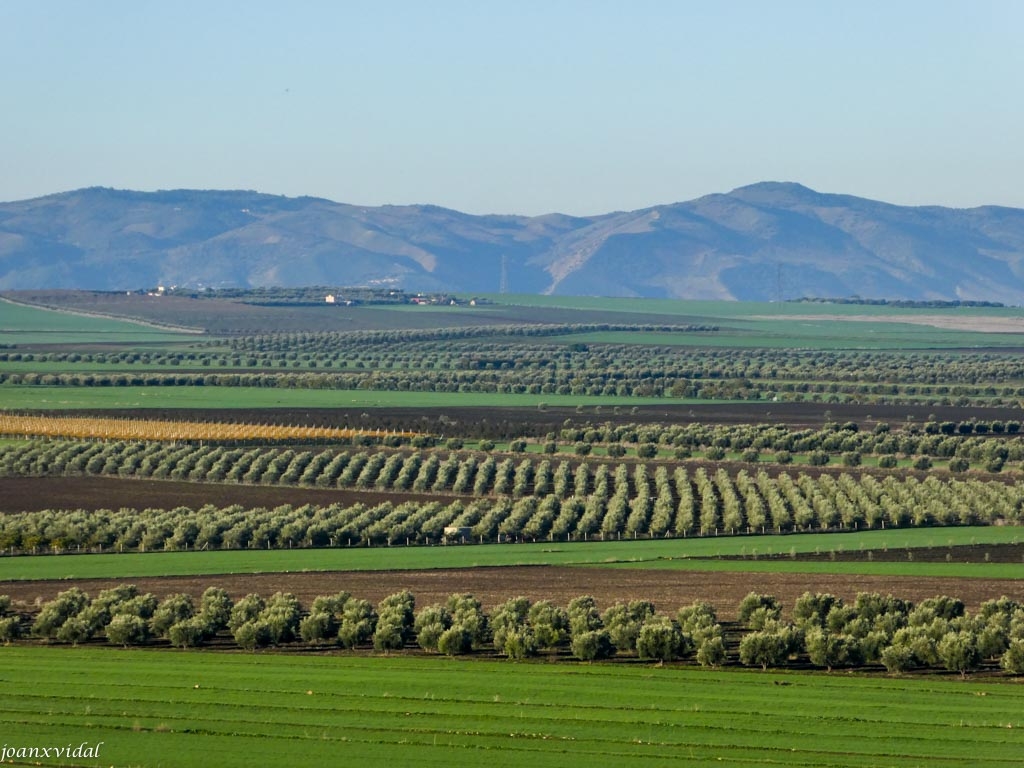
(314, 295)
(419, 299)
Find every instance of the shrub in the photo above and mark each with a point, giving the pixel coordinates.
(10, 629)
(754, 601)
(660, 638)
(827, 649)
(430, 624)
(245, 610)
(851, 459)
(959, 465)
(592, 645)
(1013, 658)
(468, 614)
(75, 630)
(765, 648)
(125, 629)
(251, 635)
(358, 622)
(56, 612)
(172, 609)
(958, 652)
(318, 627)
(455, 641)
(623, 622)
(711, 652)
(190, 633)
(281, 616)
(389, 634)
(215, 608)
(583, 615)
(519, 643)
(550, 624)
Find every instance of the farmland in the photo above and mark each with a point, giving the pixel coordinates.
(397, 711)
(656, 451)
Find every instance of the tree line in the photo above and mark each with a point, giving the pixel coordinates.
(464, 360)
(599, 504)
(823, 630)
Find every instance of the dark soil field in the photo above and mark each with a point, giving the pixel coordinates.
(509, 422)
(667, 589)
(30, 494)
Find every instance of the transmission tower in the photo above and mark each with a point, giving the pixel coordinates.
(503, 287)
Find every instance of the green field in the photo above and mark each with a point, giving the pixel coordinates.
(17, 397)
(772, 325)
(20, 324)
(665, 553)
(170, 708)
(712, 309)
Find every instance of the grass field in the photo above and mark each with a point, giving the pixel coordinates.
(20, 324)
(668, 554)
(735, 309)
(773, 325)
(17, 397)
(169, 708)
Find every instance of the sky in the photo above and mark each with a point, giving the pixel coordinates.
(515, 106)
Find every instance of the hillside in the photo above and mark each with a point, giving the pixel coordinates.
(760, 242)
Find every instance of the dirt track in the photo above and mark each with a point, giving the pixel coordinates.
(667, 589)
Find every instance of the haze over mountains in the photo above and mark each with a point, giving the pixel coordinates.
(761, 242)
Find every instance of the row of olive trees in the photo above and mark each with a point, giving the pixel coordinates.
(451, 365)
(883, 630)
(631, 503)
(518, 628)
(934, 372)
(875, 630)
(381, 350)
(760, 505)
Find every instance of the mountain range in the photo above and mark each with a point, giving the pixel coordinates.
(766, 241)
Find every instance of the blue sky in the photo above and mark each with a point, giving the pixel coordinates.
(515, 107)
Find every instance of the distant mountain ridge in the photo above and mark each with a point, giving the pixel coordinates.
(765, 241)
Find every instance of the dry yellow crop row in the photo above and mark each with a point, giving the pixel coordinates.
(145, 429)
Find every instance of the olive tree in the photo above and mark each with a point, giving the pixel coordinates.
(661, 638)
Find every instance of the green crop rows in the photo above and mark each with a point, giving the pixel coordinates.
(700, 554)
(234, 710)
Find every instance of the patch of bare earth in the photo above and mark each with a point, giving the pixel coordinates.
(28, 494)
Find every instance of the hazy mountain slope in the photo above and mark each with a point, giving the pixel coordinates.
(763, 241)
